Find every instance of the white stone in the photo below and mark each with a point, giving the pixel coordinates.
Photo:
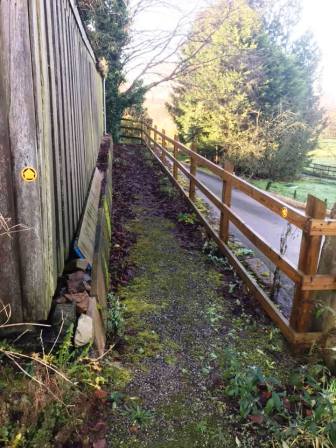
(84, 331)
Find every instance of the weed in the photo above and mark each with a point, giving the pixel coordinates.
(115, 315)
(187, 218)
(139, 416)
(213, 314)
(202, 206)
(65, 354)
(116, 398)
(300, 413)
(232, 287)
(4, 434)
(210, 247)
(166, 188)
(220, 262)
(202, 427)
(243, 252)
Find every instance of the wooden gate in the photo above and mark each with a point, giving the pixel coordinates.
(51, 125)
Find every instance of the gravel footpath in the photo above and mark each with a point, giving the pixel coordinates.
(181, 313)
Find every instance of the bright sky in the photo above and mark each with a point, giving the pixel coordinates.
(318, 16)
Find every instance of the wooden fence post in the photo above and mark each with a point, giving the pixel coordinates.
(175, 168)
(145, 131)
(164, 143)
(193, 172)
(155, 137)
(226, 198)
(301, 315)
(142, 135)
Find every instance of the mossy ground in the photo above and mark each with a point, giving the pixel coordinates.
(180, 318)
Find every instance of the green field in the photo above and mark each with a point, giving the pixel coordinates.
(299, 189)
(326, 152)
(323, 189)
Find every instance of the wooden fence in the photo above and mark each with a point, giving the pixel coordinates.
(321, 170)
(313, 223)
(51, 125)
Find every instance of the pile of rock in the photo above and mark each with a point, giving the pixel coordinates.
(74, 305)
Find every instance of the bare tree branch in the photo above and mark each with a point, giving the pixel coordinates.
(150, 54)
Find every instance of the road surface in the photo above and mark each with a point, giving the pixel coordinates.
(266, 223)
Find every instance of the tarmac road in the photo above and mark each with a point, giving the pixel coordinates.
(266, 223)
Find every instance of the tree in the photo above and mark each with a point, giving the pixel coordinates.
(212, 104)
(108, 22)
(253, 93)
(330, 131)
(110, 25)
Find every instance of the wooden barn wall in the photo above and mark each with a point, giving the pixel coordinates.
(51, 118)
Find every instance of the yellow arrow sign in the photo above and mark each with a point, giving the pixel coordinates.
(284, 212)
(29, 174)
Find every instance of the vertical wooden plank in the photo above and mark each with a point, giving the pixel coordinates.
(163, 156)
(61, 129)
(142, 132)
(22, 130)
(75, 145)
(91, 138)
(155, 137)
(193, 172)
(327, 265)
(80, 144)
(56, 143)
(301, 315)
(145, 135)
(83, 106)
(69, 115)
(72, 143)
(68, 186)
(175, 167)
(226, 198)
(81, 141)
(10, 291)
(40, 67)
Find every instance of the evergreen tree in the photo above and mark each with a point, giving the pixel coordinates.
(253, 93)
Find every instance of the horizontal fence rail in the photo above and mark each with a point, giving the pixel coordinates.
(51, 120)
(313, 223)
(321, 170)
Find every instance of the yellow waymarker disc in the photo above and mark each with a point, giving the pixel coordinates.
(284, 212)
(29, 174)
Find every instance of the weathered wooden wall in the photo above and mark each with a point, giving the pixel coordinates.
(51, 118)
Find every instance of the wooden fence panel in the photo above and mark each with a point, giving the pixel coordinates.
(314, 225)
(51, 119)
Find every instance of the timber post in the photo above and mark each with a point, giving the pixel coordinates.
(193, 172)
(155, 137)
(302, 309)
(142, 131)
(226, 199)
(175, 150)
(164, 144)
